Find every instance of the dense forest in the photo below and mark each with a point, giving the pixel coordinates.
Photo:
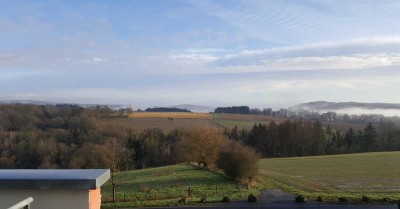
(304, 138)
(233, 110)
(68, 136)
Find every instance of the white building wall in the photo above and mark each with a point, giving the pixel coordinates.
(46, 199)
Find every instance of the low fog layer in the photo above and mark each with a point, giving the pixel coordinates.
(360, 111)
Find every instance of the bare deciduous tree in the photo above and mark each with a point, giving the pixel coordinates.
(117, 157)
(201, 145)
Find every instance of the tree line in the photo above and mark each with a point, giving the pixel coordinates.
(233, 110)
(306, 138)
(311, 115)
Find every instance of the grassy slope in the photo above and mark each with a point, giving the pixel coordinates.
(376, 175)
(163, 186)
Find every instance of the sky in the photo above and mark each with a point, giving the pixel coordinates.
(205, 52)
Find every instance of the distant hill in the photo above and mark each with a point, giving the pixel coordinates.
(37, 102)
(195, 108)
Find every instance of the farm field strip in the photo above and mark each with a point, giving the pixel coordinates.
(241, 117)
(168, 121)
(187, 115)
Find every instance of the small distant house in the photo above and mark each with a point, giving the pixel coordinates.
(53, 188)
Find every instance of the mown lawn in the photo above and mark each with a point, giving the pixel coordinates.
(376, 175)
(164, 186)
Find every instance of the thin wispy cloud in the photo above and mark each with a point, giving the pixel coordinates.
(363, 53)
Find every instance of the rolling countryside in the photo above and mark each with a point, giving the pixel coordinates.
(168, 121)
(200, 104)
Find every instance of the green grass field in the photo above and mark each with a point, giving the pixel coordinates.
(376, 175)
(164, 186)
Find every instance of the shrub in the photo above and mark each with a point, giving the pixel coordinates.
(201, 145)
(365, 199)
(301, 198)
(319, 199)
(226, 199)
(239, 162)
(386, 199)
(182, 200)
(203, 199)
(252, 198)
(343, 199)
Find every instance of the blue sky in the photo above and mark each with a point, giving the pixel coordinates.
(165, 52)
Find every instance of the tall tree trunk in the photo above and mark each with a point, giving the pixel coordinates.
(113, 193)
(113, 186)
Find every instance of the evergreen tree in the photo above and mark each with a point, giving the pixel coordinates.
(369, 138)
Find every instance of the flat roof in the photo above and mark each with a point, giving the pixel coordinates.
(57, 179)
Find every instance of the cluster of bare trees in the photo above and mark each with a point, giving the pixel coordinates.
(210, 148)
(203, 146)
(68, 136)
(59, 136)
(326, 116)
